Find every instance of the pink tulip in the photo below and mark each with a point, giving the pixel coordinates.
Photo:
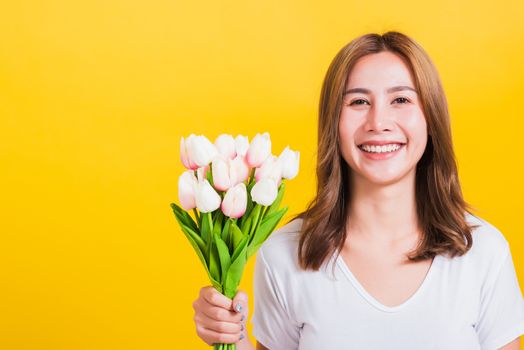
(200, 150)
(184, 155)
(259, 150)
(238, 170)
(264, 192)
(225, 145)
(229, 172)
(235, 201)
(207, 199)
(241, 145)
(221, 173)
(290, 161)
(186, 193)
(271, 168)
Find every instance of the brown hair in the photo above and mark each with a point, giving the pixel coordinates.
(440, 206)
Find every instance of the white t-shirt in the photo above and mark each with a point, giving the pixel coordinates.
(470, 302)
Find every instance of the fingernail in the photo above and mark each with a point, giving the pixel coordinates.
(238, 307)
(241, 336)
(242, 318)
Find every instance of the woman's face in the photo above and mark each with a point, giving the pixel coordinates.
(382, 129)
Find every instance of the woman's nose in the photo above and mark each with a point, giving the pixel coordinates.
(378, 119)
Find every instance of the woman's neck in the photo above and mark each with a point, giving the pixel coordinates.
(383, 214)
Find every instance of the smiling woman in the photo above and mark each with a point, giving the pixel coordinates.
(388, 253)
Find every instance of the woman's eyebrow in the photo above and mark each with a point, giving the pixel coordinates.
(389, 90)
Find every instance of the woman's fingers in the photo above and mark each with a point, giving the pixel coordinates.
(219, 326)
(211, 337)
(215, 318)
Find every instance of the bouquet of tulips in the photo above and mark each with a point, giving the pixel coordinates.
(234, 189)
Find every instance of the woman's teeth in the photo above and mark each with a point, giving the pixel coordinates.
(380, 149)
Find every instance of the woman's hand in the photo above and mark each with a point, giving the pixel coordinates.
(219, 319)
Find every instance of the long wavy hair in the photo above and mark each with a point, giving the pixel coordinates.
(439, 202)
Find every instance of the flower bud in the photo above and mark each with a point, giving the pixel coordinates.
(186, 186)
(290, 162)
(259, 150)
(184, 155)
(225, 145)
(264, 192)
(201, 151)
(241, 145)
(220, 170)
(207, 199)
(235, 201)
(271, 168)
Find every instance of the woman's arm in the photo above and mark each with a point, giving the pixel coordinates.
(514, 345)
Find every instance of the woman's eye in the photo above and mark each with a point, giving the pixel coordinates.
(401, 100)
(358, 102)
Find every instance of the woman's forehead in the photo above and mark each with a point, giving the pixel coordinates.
(384, 69)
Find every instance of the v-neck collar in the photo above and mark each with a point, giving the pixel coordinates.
(427, 279)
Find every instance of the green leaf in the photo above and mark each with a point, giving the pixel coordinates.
(235, 271)
(188, 231)
(207, 227)
(223, 254)
(249, 206)
(255, 220)
(214, 261)
(195, 245)
(225, 231)
(248, 223)
(183, 216)
(274, 206)
(217, 223)
(237, 236)
(267, 226)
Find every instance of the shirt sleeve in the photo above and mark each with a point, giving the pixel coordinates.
(501, 317)
(272, 325)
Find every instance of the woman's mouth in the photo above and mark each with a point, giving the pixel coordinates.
(378, 152)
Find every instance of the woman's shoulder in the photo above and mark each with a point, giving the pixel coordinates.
(486, 237)
(281, 247)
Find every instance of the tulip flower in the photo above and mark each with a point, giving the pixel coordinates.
(290, 161)
(207, 199)
(220, 170)
(271, 168)
(235, 201)
(229, 172)
(200, 150)
(264, 192)
(186, 192)
(184, 154)
(239, 170)
(225, 145)
(259, 150)
(241, 145)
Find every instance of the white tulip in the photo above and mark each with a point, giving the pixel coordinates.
(186, 189)
(259, 149)
(241, 145)
(264, 192)
(271, 168)
(290, 161)
(200, 150)
(184, 155)
(225, 145)
(207, 199)
(235, 201)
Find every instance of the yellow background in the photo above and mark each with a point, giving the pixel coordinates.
(95, 95)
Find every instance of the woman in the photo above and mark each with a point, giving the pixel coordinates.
(388, 254)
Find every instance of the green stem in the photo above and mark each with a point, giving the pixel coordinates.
(197, 217)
